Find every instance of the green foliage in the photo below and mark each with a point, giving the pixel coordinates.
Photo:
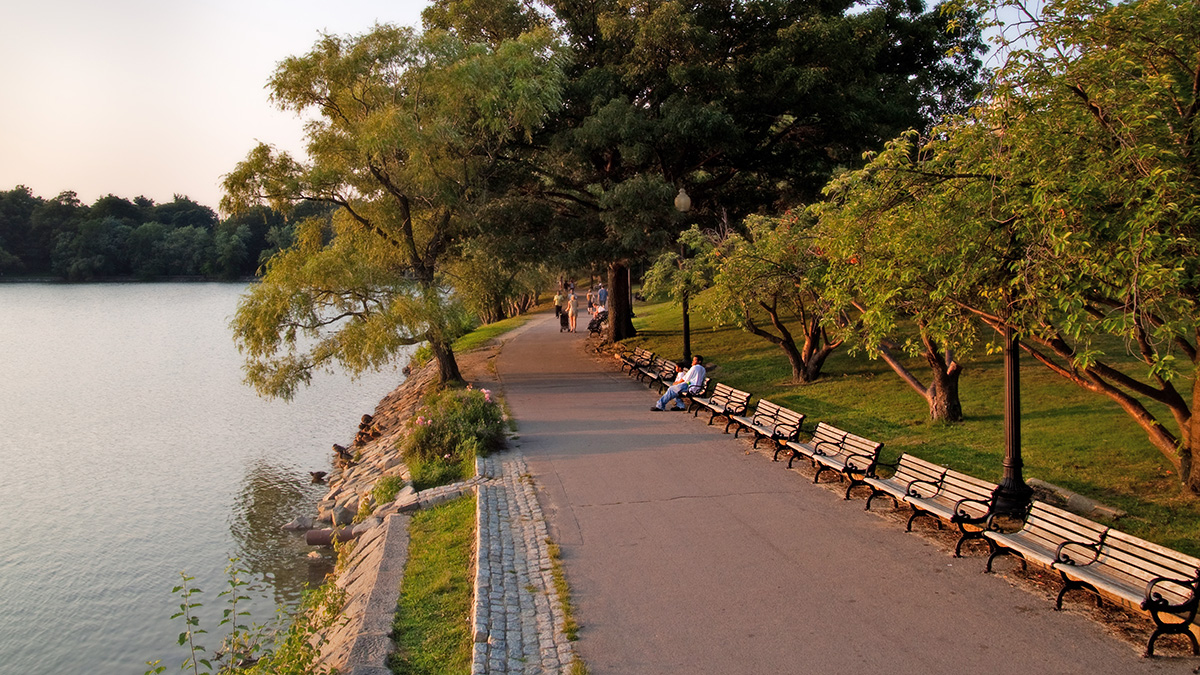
(448, 432)
(774, 276)
(115, 238)
(1065, 206)
(251, 648)
(406, 132)
(432, 627)
(683, 273)
(385, 489)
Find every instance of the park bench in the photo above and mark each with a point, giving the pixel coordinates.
(911, 476)
(638, 358)
(688, 396)
(851, 457)
(1048, 534)
(956, 498)
(725, 401)
(1137, 574)
(770, 421)
(658, 369)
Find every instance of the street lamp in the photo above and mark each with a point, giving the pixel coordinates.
(1012, 497)
(683, 204)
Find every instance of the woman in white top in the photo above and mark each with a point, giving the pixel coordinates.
(572, 308)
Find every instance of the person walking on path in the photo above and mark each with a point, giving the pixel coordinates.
(572, 309)
(602, 297)
(692, 383)
(558, 304)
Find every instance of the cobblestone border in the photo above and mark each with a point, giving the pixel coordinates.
(518, 618)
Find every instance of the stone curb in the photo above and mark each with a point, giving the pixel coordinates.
(515, 629)
(517, 622)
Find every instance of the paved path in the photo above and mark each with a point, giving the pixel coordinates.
(686, 555)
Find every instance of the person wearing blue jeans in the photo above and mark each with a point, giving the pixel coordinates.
(692, 382)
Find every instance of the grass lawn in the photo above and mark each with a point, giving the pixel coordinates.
(484, 334)
(432, 625)
(1070, 437)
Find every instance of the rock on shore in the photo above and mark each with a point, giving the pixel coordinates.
(376, 453)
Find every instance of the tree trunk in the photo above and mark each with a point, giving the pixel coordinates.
(942, 393)
(944, 403)
(1189, 468)
(620, 314)
(443, 353)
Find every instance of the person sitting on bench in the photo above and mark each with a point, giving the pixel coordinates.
(692, 383)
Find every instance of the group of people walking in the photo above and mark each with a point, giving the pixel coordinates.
(597, 301)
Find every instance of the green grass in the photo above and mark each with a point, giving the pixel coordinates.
(484, 334)
(432, 626)
(1070, 437)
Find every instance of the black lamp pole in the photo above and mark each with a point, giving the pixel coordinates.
(1012, 497)
(683, 204)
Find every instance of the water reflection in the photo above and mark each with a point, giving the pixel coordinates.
(270, 496)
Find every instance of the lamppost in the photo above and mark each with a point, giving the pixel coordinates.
(683, 204)
(1012, 497)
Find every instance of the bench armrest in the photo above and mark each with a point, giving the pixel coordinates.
(817, 446)
(961, 517)
(1155, 602)
(854, 459)
(911, 489)
(1062, 556)
(786, 431)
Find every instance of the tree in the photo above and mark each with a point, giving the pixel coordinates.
(681, 275)
(409, 128)
(875, 270)
(776, 272)
(1066, 206)
(16, 221)
(748, 105)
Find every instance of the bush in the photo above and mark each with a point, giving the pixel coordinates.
(386, 488)
(449, 431)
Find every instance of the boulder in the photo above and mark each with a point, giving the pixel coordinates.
(299, 524)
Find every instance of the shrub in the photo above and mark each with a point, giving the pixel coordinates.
(386, 488)
(448, 432)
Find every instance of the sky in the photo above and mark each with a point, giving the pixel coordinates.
(154, 97)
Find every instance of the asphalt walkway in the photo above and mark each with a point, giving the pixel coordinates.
(684, 554)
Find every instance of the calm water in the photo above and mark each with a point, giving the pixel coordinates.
(130, 451)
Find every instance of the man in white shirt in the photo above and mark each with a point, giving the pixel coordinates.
(692, 383)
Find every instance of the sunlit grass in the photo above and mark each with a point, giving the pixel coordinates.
(1070, 437)
(484, 334)
(432, 625)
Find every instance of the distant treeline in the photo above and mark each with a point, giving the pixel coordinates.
(117, 237)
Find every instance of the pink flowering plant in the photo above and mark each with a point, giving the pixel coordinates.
(448, 432)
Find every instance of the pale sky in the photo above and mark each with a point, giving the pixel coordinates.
(154, 98)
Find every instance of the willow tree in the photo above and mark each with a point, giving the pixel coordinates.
(1067, 207)
(404, 134)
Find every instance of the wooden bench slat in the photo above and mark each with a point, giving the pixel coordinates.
(852, 457)
(725, 401)
(1141, 575)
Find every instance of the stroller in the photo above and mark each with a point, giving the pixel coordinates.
(564, 322)
(595, 325)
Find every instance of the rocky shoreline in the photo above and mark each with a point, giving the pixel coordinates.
(374, 452)
(360, 643)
